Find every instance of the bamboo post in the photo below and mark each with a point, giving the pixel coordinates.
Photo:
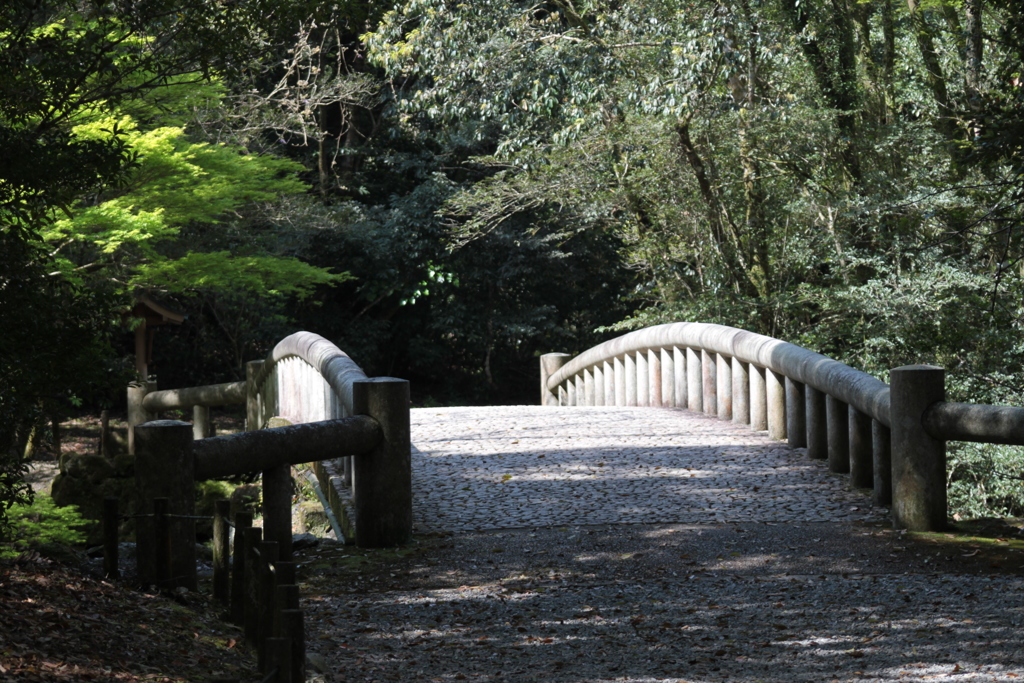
(221, 551)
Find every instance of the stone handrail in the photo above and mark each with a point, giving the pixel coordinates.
(892, 438)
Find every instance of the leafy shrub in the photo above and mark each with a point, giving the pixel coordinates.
(39, 523)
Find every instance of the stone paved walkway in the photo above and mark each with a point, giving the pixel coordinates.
(510, 467)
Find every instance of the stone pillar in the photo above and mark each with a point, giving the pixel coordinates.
(598, 373)
(694, 381)
(740, 392)
(609, 383)
(252, 399)
(136, 413)
(796, 414)
(382, 481)
(581, 390)
(200, 422)
(668, 378)
(861, 470)
(654, 378)
(838, 435)
(708, 376)
(679, 367)
(775, 395)
(723, 383)
(550, 363)
(588, 387)
(758, 399)
(164, 468)
(918, 459)
(881, 456)
(643, 380)
(630, 374)
(620, 382)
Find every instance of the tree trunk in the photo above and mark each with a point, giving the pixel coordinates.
(946, 123)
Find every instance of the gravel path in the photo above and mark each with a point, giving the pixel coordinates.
(562, 568)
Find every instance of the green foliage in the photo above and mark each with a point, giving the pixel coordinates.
(38, 523)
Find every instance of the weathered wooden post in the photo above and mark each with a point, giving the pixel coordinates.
(382, 481)
(243, 521)
(136, 413)
(679, 370)
(200, 422)
(918, 459)
(723, 384)
(162, 542)
(293, 629)
(252, 399)
(250, 620)
(694, 381)
(164, 468)
(221, 554)
(267, 595)
(758, 398)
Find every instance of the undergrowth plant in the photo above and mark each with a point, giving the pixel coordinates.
(39, 523)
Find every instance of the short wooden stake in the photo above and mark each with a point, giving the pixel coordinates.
(221, 551)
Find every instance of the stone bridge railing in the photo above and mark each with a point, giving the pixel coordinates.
(889, 437)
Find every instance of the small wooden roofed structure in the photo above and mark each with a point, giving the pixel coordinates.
(152, 315)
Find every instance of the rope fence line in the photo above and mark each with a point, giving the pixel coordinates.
(259, 587)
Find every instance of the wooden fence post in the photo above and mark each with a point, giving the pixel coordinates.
(136, 413)
(918, 459)
(221, 553)
(162, 552)
(250, 619)
(164, 466)
(382, 481)
(243, 521)
(266, 598)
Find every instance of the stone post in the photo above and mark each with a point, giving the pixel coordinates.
(598, 372)
(796, 414)
(619, 371)
(918, 459)
(723, 384)
(668, 378)
(631, 379)
(679, 372)
(838, 435)
(694, 381)
(136, 413)
(643, 380)
(758, 399)
(382, 481)
(252, 401)
(610, 386)
(709, 376)
(164, 466)
(817, 423)
(861, 465)
(740, 392)
(775, 395)
(588, 387)
(881, 456)
(654, 396)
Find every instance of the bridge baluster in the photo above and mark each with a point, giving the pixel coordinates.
(599, 385)
(758, 399)
(861, 474)
(709, 378)
(629, 372)
(723, 384)
(668, 384)
(816, 423)
(654, 378)
(679, 370)
(881, 456)
(796, 414)
(838, 435)
(694, 381)
(775, 393)
(643, 386)
(740, 392)
(588, 388)
(609, 383)
(620, 382)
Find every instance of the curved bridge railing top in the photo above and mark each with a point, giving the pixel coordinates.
(889, 437)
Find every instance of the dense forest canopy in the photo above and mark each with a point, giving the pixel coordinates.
(447, 189)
